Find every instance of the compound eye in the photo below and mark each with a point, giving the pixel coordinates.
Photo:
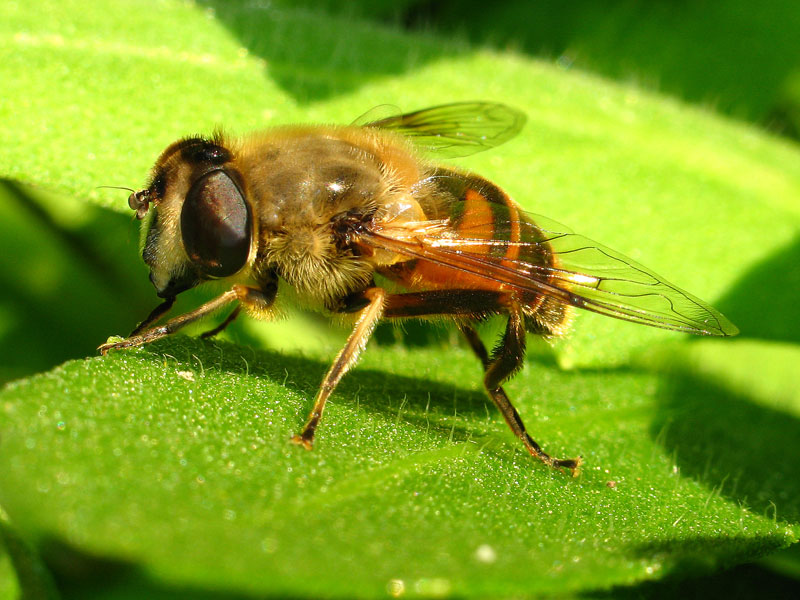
(215, 225)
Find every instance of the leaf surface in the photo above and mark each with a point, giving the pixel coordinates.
(172, 461)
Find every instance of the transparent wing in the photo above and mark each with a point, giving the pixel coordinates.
(450, 130)
(378, 113)
(548, 258)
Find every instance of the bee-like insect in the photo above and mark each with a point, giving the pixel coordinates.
(358, 222)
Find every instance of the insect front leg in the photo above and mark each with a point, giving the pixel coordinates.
(504, 362)
(256, 302)
(158, 312)
(248, 296)
(372, 300)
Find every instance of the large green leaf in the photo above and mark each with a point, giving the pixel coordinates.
(176, 459)
(172, 463)
(102, 99)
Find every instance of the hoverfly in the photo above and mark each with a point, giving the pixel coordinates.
(359, 223)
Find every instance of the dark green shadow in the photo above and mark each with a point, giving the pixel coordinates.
(33, 578)
(719, 54)
(743, 582)
(66, 283)
(81, 575)
(764, 302)
(314, 55)
(737, 448)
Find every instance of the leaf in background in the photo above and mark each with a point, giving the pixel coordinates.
(72, 274)
(722, 54)
(696, 200)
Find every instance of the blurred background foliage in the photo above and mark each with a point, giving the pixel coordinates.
(62, 258)
(734, 56)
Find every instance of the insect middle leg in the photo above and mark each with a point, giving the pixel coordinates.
(370, 303)
(222, 326)
(504, 361)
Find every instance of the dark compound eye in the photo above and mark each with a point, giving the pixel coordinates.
(215, 225)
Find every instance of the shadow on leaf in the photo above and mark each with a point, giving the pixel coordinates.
(692, 579)
(57, 272)
(741, 450)
(451, 411)
(33, 579)
(314, 55)
(763, 304)
(80, 574)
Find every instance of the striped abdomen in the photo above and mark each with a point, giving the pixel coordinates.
(482, 223)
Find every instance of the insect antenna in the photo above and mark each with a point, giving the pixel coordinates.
(115, 187)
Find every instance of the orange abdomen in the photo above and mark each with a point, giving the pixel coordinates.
(485, 221)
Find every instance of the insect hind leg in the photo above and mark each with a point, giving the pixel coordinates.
(506, 360)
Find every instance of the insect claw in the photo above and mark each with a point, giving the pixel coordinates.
(106, 347)
(573, 464)
(302, 441)
(121, 343)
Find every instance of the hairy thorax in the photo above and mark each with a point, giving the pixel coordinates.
(304, 188)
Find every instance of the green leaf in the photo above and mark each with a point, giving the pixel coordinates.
(70, 260)
(162, 456)
(172, 461)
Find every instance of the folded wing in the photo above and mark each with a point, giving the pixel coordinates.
(578, 271)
